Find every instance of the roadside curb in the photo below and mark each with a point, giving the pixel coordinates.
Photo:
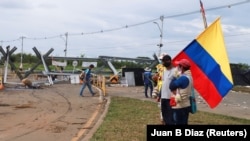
(100, 118)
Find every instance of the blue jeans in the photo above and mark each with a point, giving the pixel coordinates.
(167, 112)
(88, 84)
(181, 116)
(146, 86)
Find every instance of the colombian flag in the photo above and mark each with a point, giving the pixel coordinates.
(209, 64)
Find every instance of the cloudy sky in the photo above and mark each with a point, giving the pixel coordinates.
(123, 28)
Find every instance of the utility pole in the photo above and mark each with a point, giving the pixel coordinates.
(21, 64)
(66, 44)
(161, 35)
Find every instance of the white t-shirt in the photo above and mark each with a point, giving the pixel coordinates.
(168, 76)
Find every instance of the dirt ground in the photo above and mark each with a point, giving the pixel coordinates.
(53, 113)
(58, 113)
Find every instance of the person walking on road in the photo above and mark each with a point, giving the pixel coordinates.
(87, 81)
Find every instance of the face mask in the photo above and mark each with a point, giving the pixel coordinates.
(179, 68)
(167, 64)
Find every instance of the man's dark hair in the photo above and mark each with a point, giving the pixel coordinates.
(166, 57)
(91, 66)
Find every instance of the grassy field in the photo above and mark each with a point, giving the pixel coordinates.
(127, 119)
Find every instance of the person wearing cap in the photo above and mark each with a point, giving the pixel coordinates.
(87, 81)
(167, 77)
(182, 86)
(147, 78)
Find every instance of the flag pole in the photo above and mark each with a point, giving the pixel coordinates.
(203, 14)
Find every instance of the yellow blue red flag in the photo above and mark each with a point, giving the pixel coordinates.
(210, 66)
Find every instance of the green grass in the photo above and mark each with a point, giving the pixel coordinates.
(127, 119)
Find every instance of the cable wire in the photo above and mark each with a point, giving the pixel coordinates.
(129, 26)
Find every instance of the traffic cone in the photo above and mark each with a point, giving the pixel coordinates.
(1, 84)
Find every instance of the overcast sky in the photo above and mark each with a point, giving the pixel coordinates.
(123, 28)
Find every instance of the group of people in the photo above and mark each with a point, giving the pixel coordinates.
(174, 85)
